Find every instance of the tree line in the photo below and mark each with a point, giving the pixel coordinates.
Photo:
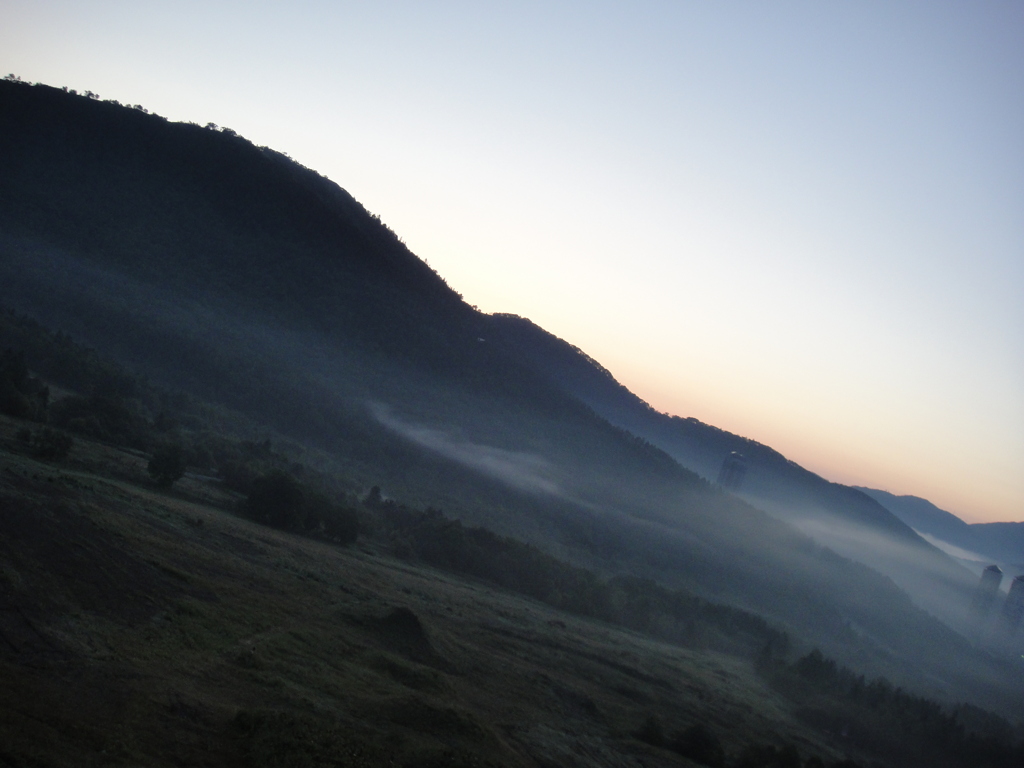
(638, 603)
(880, 718)
(869, 716)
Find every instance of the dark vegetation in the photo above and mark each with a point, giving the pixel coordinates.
(237, 297)
(874, 718)
(49, 443)
(167, 465)
(275, 496)
(884, 720)
(695, 742)
(278, 499)
(694, 444)
(638, 603)
(124, 410)
(847, 519)
(21, 394)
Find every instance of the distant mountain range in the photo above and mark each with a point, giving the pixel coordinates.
(849, 521)
(229, 272)
(990, 542)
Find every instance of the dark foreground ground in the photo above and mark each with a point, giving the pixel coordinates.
(144, 627)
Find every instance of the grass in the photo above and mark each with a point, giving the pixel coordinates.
(150, 627)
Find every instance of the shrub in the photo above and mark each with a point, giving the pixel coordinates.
(52, 444)
(330, 520)
(277, 499)
(651, 732)
(13, 402)
(167, 465)
(769, 756)
(21, 395)
(700, 745)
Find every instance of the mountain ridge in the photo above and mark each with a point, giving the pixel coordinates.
(1003, 541)
(120, 228)
(841, 517)
(597, 386)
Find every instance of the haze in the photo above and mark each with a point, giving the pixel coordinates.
(800, 223)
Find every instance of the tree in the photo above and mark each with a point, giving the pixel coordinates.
(167, 465)
(651, 732)
(21, 394)
(326, 518)
(702, 746)
(277, 499)
(52, 444)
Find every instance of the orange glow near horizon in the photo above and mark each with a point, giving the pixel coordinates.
(879, 463)
(805, 228)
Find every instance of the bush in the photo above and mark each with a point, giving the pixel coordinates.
(21, 395)
(701, 745)
(651, 732)
(52, 444)
(13, 402)
(167, 465)
(769, 756)
(330, 520)
(277, 499)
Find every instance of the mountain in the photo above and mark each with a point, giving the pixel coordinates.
(845, 519)
(996, 542)
(922, 515)
(158, 627)
(230, 274)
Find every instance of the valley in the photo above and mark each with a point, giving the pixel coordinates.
(157, 628)
(392, 529)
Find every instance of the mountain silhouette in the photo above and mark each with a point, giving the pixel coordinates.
(1002, 542)
(846, 519)
(228, 271)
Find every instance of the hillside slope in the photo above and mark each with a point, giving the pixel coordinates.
(141, 627)
(231, 273)
(147, 626)
(998, 542)
(843, 518)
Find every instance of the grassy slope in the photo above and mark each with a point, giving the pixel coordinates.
(226, 270)
(144, 627)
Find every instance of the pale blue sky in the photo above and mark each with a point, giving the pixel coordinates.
(802, 222)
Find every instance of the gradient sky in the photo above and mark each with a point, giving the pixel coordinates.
(802, 222)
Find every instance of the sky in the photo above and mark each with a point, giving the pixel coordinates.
(802, 222)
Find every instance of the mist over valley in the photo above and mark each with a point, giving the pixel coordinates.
(384, 495)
